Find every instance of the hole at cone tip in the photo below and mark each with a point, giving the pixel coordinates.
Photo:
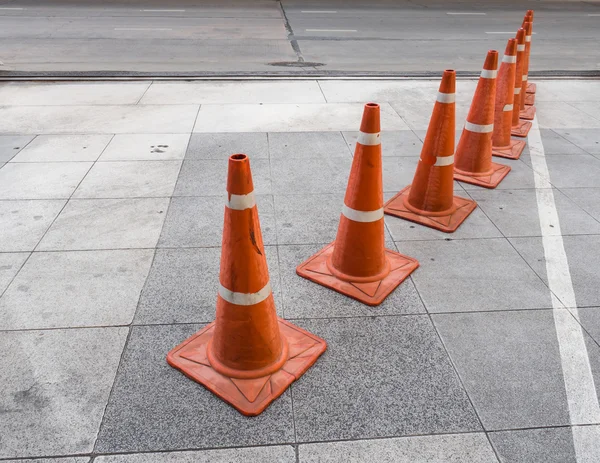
(449, 70)
(238, 157)
(373, 105)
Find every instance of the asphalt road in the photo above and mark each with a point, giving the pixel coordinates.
(289, 36)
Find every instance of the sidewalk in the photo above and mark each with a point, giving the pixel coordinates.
(111, 202)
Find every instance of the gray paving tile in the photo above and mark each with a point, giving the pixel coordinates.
(155, 407)
(50, 180)
(2, 164)
(197, 221)
(222, 145)
(25, 222)
(209, 178)
(583, 254)
(448, 448)
(515, 212)
(404, 386)
(10, 263)
(55, 386)
(272, 454)
(75, 289)
(586, 198)
(555, 142)
(10, 145)
(393, 143)
(141, 147)
(510, 364)
(307, 145)
(547, 445)
(52, 460)
(182, 286)
(107, 224)
(310, 176)
(573, 171)
(520, 176)
(60, 148)
(589, 317)
(587, 139)
(129, 179)
(474, 275)
(304, 299)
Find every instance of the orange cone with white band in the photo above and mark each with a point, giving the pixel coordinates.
(473, 160)
(520, 128)
(502, 145)
(430, 200)
(356, 263)
(247, 356)
(531, 88)
(527, 112)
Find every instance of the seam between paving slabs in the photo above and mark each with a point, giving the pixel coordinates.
(146, 91)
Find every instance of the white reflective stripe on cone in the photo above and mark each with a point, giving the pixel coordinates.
(508, 107)
(369, 139)
(489, 74)
(446, 97)
(528, 38)
(442, 161)
(478, 128)
(245, 298)
(509, 59)
(520, 47)
(240, 202)
(525, 77)
(517, 90)
(361, 216)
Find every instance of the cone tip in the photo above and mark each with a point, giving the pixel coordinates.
(528, 26)
(239, 176)
(491, 60)
(521, 36)
(511, 47)
(238, 157)
(370, 121)
(448, 83)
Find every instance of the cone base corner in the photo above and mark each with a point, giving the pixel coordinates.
(528, 113)
(447, 223)
(530, 99)
(514, 152)
(372, 293)
(521, 130)
(499, 171)
(531, 88)
(249, 396)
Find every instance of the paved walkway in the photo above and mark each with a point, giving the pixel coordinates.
(111, 200)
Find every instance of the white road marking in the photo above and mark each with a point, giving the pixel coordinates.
(323, 11)
(331, 30)
(163, 11)
(504, 32)
(577, 374)
(142, 29)
(7, 8)
(483, 14)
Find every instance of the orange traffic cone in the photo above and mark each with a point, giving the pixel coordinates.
(527, 112)
(520, 128)
(430, 200)
(502, 145)
(247, 356)
(473, 160)
(531, 88)
(356, 263)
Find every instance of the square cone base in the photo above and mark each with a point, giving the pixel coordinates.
(446, 223)
(499, 171)
(522, 129)
(372, 293)
(529, 99)
(249, 396)
(531, 88)
(513, 152)
(528, 113)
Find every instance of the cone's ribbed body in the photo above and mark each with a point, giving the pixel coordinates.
(518, 76)
(504, 101)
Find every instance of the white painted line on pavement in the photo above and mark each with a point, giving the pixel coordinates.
(163, 11)
(577, 374)
(322, 11)
(142, 29)
(7, 8)
(510, 32)
(482, 14)
(331, 30)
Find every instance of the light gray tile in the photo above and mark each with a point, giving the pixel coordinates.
(25, 222)
(10, 145)
(271, 454)
(549, 445)
(209, 178)
(393, 143)
(474, 275)
(404, 386)
(55, 387)
(107, 224)
(586, 139)
(52, 460)
(140, 147)
(183, 283)
(41, 180)
(556, 142)
(129, 179)
(589, 317)
(573, 171)
(197, 221)
(307, 145)
(510, 364)
(515, 213)
(310, 176)
(75, 289)
(10, 263)
(155, 407)
(563, 115)
(52, 148)
(304, 299)
(586, 198)
(448, 448)
(222, 145)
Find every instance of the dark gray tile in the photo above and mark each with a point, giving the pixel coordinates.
(304, 299)
(589, 317)
(182, 286)
(549, 445)
(306, 145)
(510, 364)
(405, 385)
(52, 460)
(587, 139)
(474, 275)
(197, 221)
(586, 198)
(155, 407)
(222, 145)
(271, 454)
(310, 176)
(10, 145)
(573, 171)
(209, 178)
(393, 143)
(556, 143)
